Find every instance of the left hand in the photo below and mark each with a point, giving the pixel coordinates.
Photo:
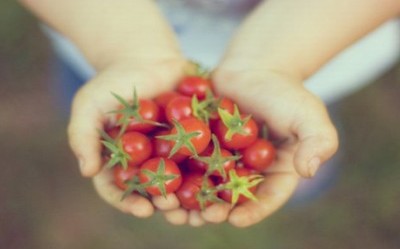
(293, 115)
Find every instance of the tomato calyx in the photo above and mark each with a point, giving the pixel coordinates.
(216, 161)
(195, 69)
(181, 138)
(240, 185)
(131, 111)
(158, 178)
(117, 153)
(234, 122)
(134, 185)
(205, 108)
(207, 194)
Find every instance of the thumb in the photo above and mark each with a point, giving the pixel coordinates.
(84, 138)
(318, 141)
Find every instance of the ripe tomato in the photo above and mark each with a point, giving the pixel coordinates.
(162, 148)
(238, 141)
(179, 108)
(201, 166)
(163, 175)
(199, 142)
(259, 155)
(137, 146)
(163, 99)
(188, 193)
(226, 195)
(194, 85)
(122, 176)
(225, 104)
(149, 111)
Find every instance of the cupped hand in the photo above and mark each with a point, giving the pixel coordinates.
(90, 113)
(296, 118)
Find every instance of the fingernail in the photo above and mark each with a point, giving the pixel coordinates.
(313, 166)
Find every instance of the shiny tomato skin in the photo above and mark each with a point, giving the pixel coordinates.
(191, 186)
(201, 141)
(226, 195)
(137, 146)
(163, 99)
(259, 155)
(162, 148)
(238, 141)
(179, 108)
(171, 168)
(225, 104)
(196, 165)
(121, 175)
(148, 110)
(194, 85)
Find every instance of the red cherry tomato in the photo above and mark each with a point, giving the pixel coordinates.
(238, 141)
(259, 155)
(225, 104)
(162, 148)
(199, 142)
(196, 165)
(122, 176)
(163, 99)
(226, 195)
(160, 184)
(188, 191)
(149, 111)
(137, 146)
(179, 108)
(194, 85)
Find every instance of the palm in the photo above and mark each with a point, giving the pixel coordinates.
(90, 111)
(296, 118)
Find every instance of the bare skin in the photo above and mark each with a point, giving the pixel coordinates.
(275, 49)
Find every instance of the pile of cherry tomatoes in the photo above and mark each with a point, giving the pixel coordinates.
(189, 142)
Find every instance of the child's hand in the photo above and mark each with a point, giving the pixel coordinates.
(90, 109)
(295, 117)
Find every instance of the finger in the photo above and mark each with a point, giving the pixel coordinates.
(318, 141)
(177, 216)
(135, 204)
(195, 219)
(170, 201)
(216, 213)
(84, 138)
(271, 194)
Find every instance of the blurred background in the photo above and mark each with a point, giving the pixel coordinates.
(45, 203)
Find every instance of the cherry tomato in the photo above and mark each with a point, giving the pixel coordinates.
(226, 195)
(137, 146)
(194, 85)
(188, 191)
(163, 99)
(259, 155)
(199, 142)
(122, 176)
(163, 174)
(113, 132)
(179, 108)
(149, 111)
(225, 104)
(162, 148)
(238, 141)
(201, 166)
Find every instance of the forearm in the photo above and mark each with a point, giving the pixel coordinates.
(106, 31)
(299, 36)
